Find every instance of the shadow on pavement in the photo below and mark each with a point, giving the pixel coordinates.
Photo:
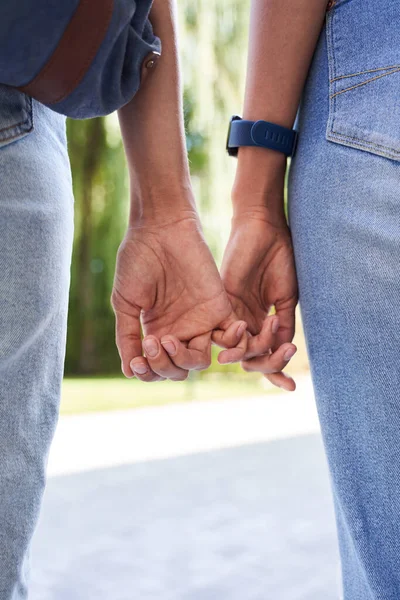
(247, 523)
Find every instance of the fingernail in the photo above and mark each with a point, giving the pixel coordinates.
(224, 362)
(151, 347)
(139, 368)
(289, 353)
(275, 325)
(169, 347)
(240, 330)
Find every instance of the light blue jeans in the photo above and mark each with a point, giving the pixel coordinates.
(36, 231)
(344, 215)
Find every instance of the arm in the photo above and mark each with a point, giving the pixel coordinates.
(166, 279)
(283, 35)
(153, 132)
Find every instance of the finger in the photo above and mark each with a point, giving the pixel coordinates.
(232, 336)
(282, 380)
(129, 344)
(128, 338)
(195, 356)
(232, 355)
(143, 371)
(160, 362)
(270, 363)
(286, 314)
(263, 341)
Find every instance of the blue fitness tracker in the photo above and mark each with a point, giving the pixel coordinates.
(260, 133)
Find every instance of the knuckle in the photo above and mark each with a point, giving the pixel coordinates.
(119, 302)
(115, 300)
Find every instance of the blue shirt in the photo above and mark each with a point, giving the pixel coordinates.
(82, 58)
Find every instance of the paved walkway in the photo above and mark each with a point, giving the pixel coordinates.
(220, 500)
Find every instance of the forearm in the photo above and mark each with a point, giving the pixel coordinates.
(153, 130)
(283, 36)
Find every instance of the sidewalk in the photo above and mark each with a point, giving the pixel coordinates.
(216, 500)
(92, 441)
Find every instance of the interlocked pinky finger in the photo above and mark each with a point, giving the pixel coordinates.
(272, 362)
(271, 366)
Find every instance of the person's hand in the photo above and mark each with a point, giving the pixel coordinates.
(166, 280)
(258, 272)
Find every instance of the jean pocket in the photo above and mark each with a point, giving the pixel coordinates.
(16, 115)
(363, 45)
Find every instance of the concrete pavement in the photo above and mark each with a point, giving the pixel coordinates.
(220, 500)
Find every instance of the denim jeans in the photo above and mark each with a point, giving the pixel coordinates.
(36, 231)
(344, 215)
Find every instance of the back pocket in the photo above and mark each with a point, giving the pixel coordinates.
(16, 115)
(363, 43)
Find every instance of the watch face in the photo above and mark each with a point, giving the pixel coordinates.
(233, 151)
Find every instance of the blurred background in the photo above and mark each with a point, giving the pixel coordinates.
(212, 488)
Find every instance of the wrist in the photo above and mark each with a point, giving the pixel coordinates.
(260, 167)
(258, 187)
(161, 204)
(250, 211)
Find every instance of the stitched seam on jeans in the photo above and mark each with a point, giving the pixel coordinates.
(366, 71)
(365, 142)
(364, 82)
(31, 111)
(11, 137)
(331, 133)
(12, 126)
(332, 66)
(28, 120)
(340, 2)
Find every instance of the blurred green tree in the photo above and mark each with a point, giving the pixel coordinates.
(100, 190)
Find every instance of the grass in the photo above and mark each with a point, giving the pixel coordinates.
(82, 395)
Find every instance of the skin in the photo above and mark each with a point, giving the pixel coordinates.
(167, 291)
(166, 285)
(258, 269)
(175, 291)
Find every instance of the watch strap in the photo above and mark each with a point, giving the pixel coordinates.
(262, 133)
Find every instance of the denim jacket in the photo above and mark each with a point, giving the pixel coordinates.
(82, 58)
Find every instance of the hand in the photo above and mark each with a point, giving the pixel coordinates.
(258, 271)
(166, 280)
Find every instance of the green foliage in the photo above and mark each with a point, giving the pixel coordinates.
(100, 190)
(196, 142)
